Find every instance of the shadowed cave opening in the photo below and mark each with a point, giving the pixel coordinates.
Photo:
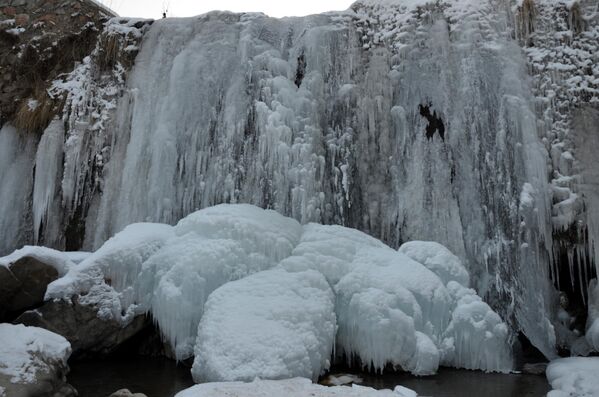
(435, 123)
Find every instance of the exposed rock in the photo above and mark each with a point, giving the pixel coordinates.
(534, 368)
(88, 334)
(50, 39)
(33, 363)
(23, 285)
(126, 393)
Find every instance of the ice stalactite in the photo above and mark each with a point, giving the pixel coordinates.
(17, 162)
(46, 186)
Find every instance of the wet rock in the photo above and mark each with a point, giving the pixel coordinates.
(23, 285)
(126, 393)
(88, 334)
(534, 368)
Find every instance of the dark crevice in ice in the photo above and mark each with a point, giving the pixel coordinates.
(435, 123)
(301, 69)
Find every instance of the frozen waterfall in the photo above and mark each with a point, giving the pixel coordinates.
(408, 121)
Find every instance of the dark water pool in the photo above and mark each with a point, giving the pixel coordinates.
(451, 382)
(157, 377)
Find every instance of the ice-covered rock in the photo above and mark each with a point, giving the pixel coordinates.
(33, 362)
(25, 275)
(574, 377)
(592, 331)
(297, 387)
(272, 325)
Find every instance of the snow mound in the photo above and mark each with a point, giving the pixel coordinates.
(574, 377)
(259, 231)
(297, 387)
(27, 352)
(273, 324)
(389, 307)
(329, 249)
(438, 259)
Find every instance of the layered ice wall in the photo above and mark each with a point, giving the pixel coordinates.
(407, 120)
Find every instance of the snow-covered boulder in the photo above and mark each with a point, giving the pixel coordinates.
(297, 387)
(273, 324)
(574, 377)
(33, 362)
(89, 335)
(25, 275)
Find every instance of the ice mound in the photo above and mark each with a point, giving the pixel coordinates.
(170, 271)
(389, 307)
(476, 337)
(438, 259)
(574, 377)
(329, 249)
(273, 325)
(258, 231)
(246, 265)
(297, 387)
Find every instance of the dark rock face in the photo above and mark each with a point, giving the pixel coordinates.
(80, 325)
(23, 285)
(39, 39)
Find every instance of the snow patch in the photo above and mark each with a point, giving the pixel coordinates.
(574, 377)
(297, 387)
